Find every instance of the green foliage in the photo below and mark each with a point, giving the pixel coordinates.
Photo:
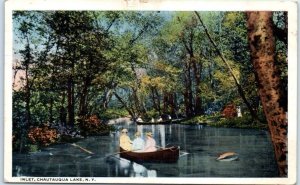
(216, 120)
(33, 148)
(203, 119)
(113, 113)
(239, 122)
(151, 114)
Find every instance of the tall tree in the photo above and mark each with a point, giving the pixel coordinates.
(73, 33)
(25, 30)
(239, 87)
(262, 47)
(188, 37)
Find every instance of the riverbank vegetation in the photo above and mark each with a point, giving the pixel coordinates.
(236, 122)
(74, 70)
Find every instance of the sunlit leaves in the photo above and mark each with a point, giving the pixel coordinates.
(222, 75)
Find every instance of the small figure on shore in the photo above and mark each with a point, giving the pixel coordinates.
(138, 143)
(150, 143)
(166, 117)
(139, 119)
(125, 141)
(159, 119)
(239, 111)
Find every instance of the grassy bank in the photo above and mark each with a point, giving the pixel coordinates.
(218, 121)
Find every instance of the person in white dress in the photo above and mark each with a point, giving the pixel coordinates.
(138, 143)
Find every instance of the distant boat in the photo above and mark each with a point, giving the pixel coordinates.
(164, 122)
(165, 155)
(153, 123)
(228, 156)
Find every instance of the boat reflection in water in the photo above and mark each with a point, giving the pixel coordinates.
(142, 171)
(125, 168)
(158, 131)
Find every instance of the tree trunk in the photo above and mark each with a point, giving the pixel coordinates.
(63, 113)
(262, 48)
(153, 98)
(172, 104)
(70, 92)
(129, 110)
(198, 101)
(197, 109)
(190, 92)
(188, 96)
(165, 102)
(27, 99)
(83, 98)
(137, 104)
(51, 110)
(186, 102)
(106, 98)
(158, 101)
(27, 62)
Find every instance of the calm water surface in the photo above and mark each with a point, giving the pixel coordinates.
(199, 145)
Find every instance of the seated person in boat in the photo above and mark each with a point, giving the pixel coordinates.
(125, 141)
(138, 143)
(150, 145)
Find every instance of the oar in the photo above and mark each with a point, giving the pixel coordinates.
(183, 153)
(159, 147)
(86, 150)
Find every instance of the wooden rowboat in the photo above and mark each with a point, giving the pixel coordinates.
(165, 155)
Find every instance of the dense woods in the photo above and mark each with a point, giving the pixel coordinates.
(77, 69)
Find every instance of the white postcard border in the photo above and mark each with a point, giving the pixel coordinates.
(168, 5)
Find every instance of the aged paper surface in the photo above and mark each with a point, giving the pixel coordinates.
(153, 5)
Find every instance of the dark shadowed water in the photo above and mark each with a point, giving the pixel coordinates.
(199, 145)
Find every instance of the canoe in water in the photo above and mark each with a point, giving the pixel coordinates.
(228, 156)
(166, 155)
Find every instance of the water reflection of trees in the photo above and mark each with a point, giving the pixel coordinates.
(159, 133)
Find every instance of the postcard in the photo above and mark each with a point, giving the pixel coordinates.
(150, 91)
